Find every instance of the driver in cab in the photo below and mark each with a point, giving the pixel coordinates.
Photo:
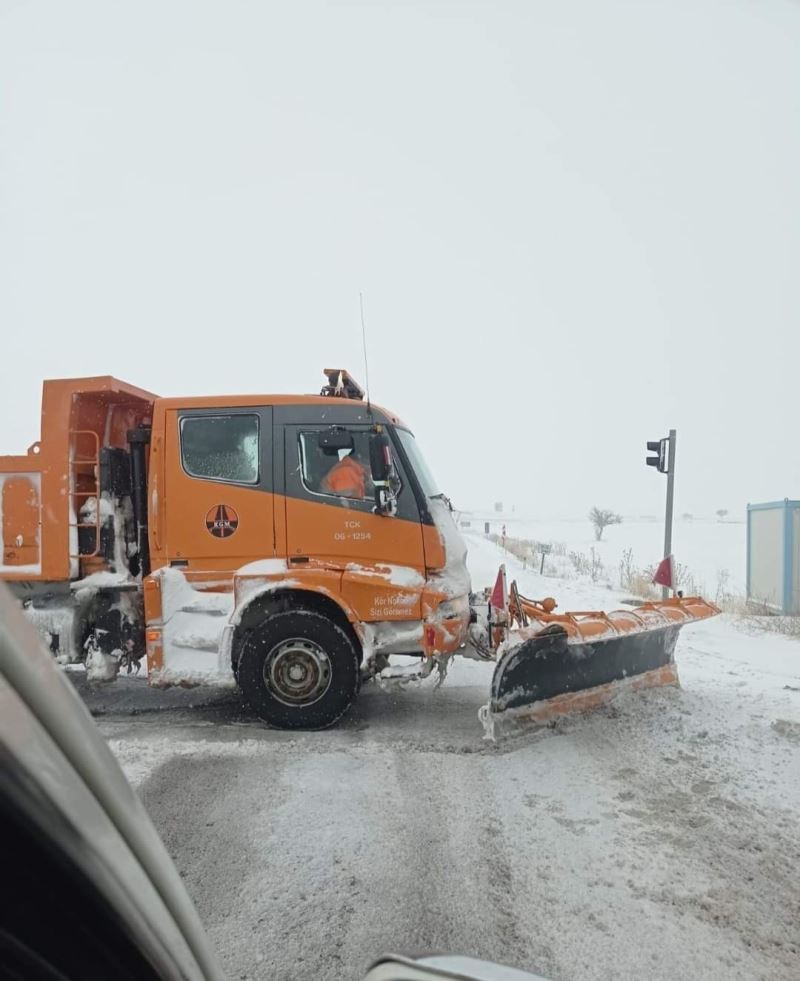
(347, 478)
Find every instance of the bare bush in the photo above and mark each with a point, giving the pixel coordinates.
(735, 604)
(685, 581)
(641, 585)
(787, 626)
(627, 569)
(601, 518)
(723, 594)
(580, 563)
(588, 565)
(596, 567)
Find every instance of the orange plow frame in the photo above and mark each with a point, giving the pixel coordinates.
(586, 625)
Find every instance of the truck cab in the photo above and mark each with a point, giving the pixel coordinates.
(314, 513)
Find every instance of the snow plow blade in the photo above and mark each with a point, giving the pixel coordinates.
(563, 664)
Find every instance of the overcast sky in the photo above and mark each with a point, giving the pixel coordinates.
(575, 225)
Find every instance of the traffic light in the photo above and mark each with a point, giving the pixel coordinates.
(661, 448)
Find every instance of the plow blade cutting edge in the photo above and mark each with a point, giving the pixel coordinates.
(570, 663)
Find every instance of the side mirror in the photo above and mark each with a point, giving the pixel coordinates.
(380, 457)
(381, 467)
(332, 440)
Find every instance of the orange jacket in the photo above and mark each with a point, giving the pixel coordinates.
(347, 478)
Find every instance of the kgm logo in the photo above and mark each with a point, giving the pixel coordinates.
(222, 521)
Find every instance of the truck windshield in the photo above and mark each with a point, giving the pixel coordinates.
(418, 464)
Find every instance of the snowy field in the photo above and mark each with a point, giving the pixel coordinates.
(657, 838)
(705, 546)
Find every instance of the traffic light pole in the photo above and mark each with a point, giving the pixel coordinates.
(670, 501)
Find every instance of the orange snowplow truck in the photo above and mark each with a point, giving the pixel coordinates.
(284, 543)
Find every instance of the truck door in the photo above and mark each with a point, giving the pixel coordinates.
(218, 507)
(328, 520)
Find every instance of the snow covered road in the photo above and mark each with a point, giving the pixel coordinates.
(657, 838)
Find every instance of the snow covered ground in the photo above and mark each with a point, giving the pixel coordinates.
(657, 838)
(705, 546)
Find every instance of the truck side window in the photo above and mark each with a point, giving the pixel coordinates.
(221, 447)
(338, 473)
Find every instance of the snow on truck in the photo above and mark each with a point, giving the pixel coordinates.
(284, 543)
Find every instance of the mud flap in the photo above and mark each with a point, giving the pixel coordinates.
(547, 676)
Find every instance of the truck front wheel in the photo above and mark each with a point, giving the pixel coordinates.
(298, 670)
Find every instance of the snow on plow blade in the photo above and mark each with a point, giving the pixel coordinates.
(570, 663)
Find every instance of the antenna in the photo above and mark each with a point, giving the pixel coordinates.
(364, 341)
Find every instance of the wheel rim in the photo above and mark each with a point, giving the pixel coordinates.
(297, 672)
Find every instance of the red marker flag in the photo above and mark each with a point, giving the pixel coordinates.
(499, 597)
(665, 573)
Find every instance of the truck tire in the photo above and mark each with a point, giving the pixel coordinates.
(298, 670)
